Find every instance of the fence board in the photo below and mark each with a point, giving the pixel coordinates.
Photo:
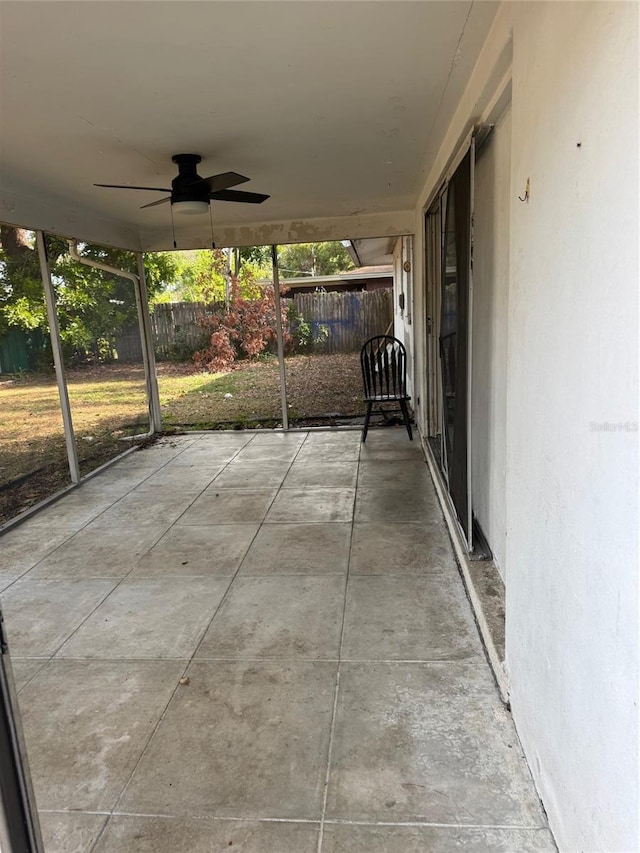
(173, 325)
(341, 322)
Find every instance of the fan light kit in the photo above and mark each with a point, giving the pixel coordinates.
(190, 194)
(190, 207)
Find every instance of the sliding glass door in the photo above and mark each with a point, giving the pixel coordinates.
(454, 333)
(448, 246)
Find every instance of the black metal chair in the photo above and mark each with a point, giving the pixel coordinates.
(384, 374)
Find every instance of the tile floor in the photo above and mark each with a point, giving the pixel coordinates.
(338, 698)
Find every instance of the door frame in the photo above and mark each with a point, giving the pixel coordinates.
(434, 214)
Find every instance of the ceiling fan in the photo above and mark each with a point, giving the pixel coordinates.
(192, 194)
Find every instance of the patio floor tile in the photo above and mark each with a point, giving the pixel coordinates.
(411, 473)
(183, 478)
(413, 618)
(250, 475)
(317, 548)
(283, 438)
(42, 614)
(168, 835)
(24, 546)
(139, 508)
(223, 438)
(382, 504)
(220, 748)
(138, 460)
(204, 456)
(7, 577)
(74, 832)
(86, 724)
(382, 450)
(192, 551)
(229, 506)
(427, 742)
(315, 475)
(116, 481)
(24, 669)
(328, 453)
(70, 512)
(271, 595)
(149, 618)
(400, 548)
(312, 505)
(278, 617)
(159, 453)
(98, 552)
(336, 437)
(267, 453)
(432, 839)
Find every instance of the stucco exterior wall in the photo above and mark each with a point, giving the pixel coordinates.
(572, 488)
(490, 325)
(571, 485)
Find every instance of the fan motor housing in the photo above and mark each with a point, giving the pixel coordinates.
(188, 185)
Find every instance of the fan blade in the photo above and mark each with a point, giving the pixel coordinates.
(128, 187)
(154, 203)
(224, 181)
(238, 195)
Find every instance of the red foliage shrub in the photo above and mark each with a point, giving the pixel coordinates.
(243, 331)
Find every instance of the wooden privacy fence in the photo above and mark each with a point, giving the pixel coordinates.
(175, 329)
(176, 326)
(340, 322)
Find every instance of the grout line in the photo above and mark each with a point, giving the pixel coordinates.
(303, 820)
(329, 751)
(191, 659)
(426, 823)
(338, 671)
(76, 811)
(402, 661)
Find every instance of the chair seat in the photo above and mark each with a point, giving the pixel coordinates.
(386, 398)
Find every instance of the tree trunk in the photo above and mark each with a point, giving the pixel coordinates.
(15, 241)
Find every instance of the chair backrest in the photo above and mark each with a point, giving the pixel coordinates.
(384, 367)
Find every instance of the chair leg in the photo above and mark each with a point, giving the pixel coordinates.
(366, 422)
(405, 415)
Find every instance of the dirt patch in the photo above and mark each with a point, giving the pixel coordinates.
(319, 388)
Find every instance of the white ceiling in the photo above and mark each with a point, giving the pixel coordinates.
(331, 107)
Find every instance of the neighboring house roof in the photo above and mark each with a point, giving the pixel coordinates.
(371, 250)
(343, 278)
(374, 271)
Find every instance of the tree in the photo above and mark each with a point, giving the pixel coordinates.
(199, 277)
(202, 274)
(300, 259)
(243, 330)
(92, 305)
(21, 296)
